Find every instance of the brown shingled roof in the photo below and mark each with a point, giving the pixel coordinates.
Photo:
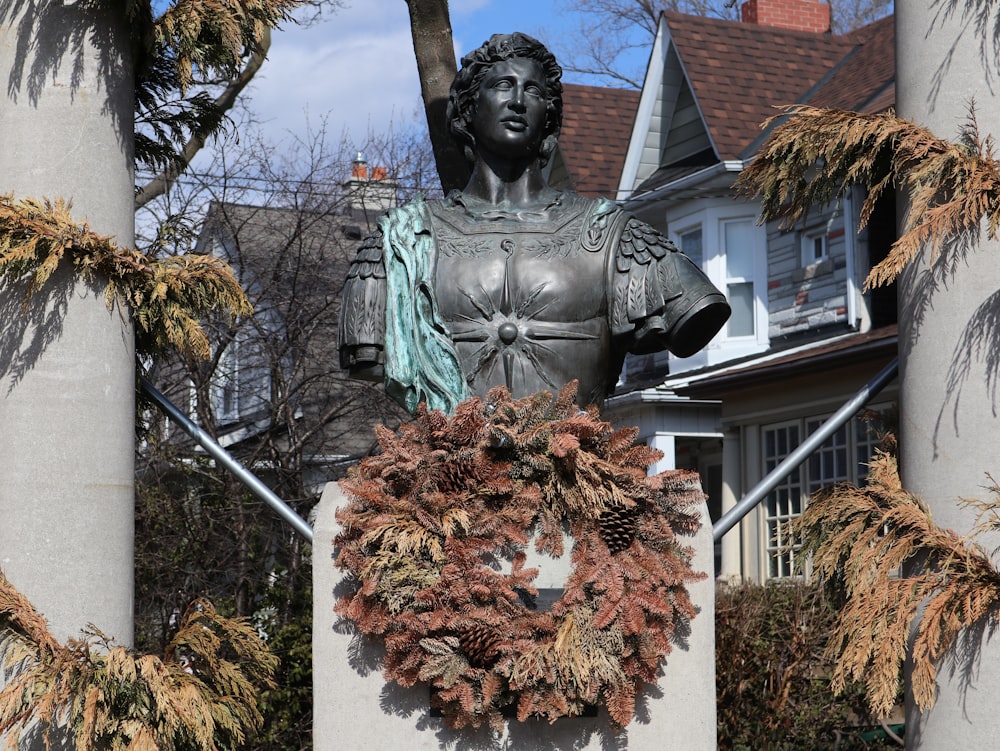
(866, 80)
(597, 123)
(740, 72)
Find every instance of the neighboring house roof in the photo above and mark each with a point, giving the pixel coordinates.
(739, 72)
(866, 80)
(293, 263)
(775, 365)
(715, 82)
(597, 123)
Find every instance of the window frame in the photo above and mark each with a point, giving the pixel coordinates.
(712, 220)
(808, 240)
(858, 443)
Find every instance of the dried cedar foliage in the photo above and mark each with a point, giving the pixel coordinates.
(201, 696)
(816, 155)
(433, 516)
(167, 296)
(860, 538)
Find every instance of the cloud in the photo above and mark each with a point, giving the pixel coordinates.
(355, 66)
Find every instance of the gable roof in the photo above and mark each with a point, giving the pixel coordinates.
(597, 123)
(738, 72)
(866, 80)
(715, 82)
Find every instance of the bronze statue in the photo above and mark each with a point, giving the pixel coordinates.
(509, 281)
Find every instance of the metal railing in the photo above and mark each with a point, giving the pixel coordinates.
(728, 520)
(225, 459)
(759, 491)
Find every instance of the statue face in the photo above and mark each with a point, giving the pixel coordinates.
(509, 120)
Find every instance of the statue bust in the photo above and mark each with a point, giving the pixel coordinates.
(509, 281)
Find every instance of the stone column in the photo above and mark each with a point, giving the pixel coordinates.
(66, 362)
(948, 415)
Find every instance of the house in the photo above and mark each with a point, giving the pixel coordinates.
(804, 335)
(273, 393)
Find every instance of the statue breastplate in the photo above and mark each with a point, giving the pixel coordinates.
(525, 297)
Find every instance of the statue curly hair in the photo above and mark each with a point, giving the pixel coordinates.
(465, 88)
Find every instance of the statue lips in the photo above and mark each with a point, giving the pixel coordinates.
(515, 123)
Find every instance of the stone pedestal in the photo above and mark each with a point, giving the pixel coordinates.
(355, 710)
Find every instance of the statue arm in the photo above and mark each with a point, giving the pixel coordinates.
(362, 312)
(659, 298)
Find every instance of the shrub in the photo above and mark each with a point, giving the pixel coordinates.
(772, 682)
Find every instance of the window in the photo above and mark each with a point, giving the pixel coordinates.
(814, 247)
(738, 246)
(241, 383)
(843, 457)
(226, 386)
(784, 503)
(732, 251)
(691, 245)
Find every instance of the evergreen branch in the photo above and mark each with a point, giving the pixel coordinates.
(201, 118)
(193, 43)
(213, 36)
(202, 696)
(816, 155)
(860, 538)
(167, 296)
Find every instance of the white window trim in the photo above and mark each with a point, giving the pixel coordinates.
(855, 474)
(711, 217)
(809, 238)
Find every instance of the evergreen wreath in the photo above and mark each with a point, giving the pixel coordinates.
(432, 518)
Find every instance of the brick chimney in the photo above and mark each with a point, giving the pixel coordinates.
(800, 15)
(369, 189)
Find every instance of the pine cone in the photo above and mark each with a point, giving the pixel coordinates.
(454, 477)
(618, 527)
(480, 644)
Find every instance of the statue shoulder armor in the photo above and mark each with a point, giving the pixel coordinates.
(659, 298)
(362, 310)
(644, 279)
(368, 262)
(642, 244)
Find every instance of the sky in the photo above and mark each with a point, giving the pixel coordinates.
(356, 67)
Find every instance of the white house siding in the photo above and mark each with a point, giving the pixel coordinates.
(687, 135)
(801, 296)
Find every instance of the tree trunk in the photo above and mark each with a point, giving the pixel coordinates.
(67, 363)
(948, 355)
(430, 25)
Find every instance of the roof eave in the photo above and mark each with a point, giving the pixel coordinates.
(715, 177)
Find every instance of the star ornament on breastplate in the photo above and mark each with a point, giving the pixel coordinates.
(512, 329)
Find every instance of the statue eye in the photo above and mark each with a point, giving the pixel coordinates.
(534, 90)
(503, 85)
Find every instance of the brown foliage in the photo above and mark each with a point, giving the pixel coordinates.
(817, 154)
(203, 694)
(860, 539)
(419, 545)
(167, 296)
(215, 35)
